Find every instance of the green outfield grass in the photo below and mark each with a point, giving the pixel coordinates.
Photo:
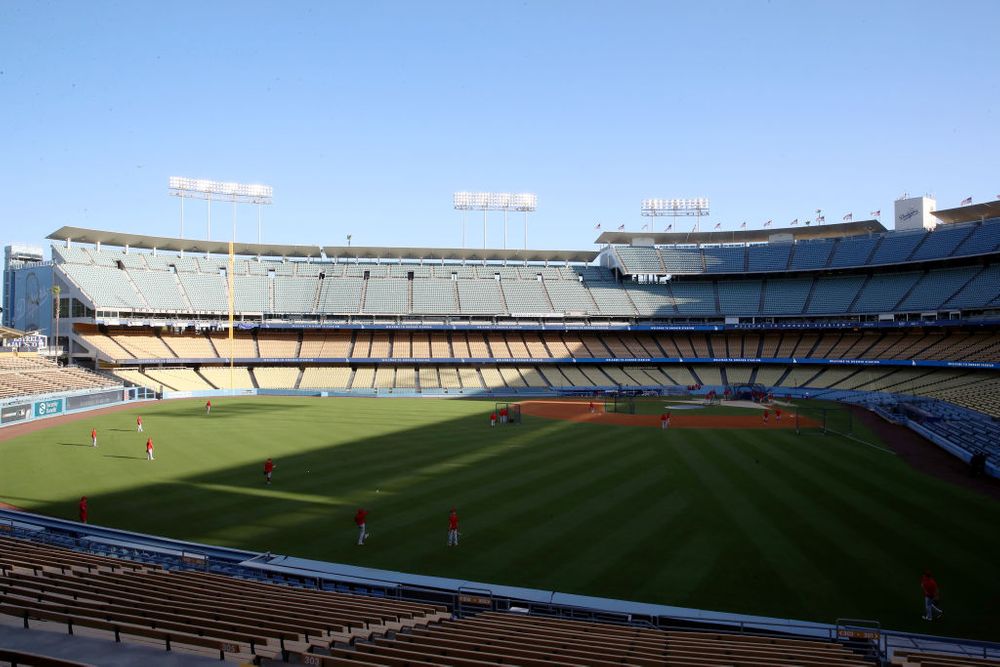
(760, 521)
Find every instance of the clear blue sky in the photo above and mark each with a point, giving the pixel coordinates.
(366, 116)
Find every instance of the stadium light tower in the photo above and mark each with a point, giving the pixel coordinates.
(524, 202)
(238, 193)
(193, 188)
(676, 208)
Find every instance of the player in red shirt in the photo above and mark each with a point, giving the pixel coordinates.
(777, 414)
(503, 415)
(766, 414)
(268, 469)
(493, 419)
(591, 406)
(83, 509)
(360, 519)
(93, 437)
(208, 407)
(665, 421)
(930, 589)
(149, 449)
(453, 528)
(138, 424)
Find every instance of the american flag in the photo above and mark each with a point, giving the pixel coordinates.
(849, 217)
(821, 219)
(795, 222)
(876, 214)
(621, 228)
(597, 226)
(768, 223)
(966, 201)
(718, 225)
(743, 226)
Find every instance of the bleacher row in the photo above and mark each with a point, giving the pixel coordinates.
(26, 375)
(198, 287)
(121, 345)
(974, 389)
(46, 586)
(834, 253)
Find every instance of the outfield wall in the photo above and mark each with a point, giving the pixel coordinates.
(33, 408)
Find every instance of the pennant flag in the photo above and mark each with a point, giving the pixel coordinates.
(743, 226)
(876, 214)
(646, 226)
(621, 228)
(795, 222)
(966, 201)
(849, 217)
(669, 227)
(821, 219)
(768, 223)
(597, 226)
(718, 225)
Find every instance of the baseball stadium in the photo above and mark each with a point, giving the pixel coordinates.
(703, 448)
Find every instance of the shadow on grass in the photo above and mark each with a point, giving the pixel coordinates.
(222, 410)
(73, 444)
(122, 456)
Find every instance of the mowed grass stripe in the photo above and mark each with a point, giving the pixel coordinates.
(822, 535)
(742, 495)
(904, 493)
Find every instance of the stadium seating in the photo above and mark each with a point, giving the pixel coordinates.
(897, 247)
(387, 296)
(725, 260)
(682, 260)
(785, 295)
(185, 609)
(435, 297)
(276, 377)
(811, 254)
(640, 260)
(768, 257)
(883, 291)
(26, 375)
(853, 251)
(498, 638)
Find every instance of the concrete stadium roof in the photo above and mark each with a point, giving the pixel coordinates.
(123, 239)
(971, 213)
(837, 230)
(141, 241)
(9, 332)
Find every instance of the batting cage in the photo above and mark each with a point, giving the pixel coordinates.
(620, 403)
(509, 413)
(746, 391)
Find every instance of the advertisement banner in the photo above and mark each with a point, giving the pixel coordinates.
(49, 408)
(90, 400)
(14, 413)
